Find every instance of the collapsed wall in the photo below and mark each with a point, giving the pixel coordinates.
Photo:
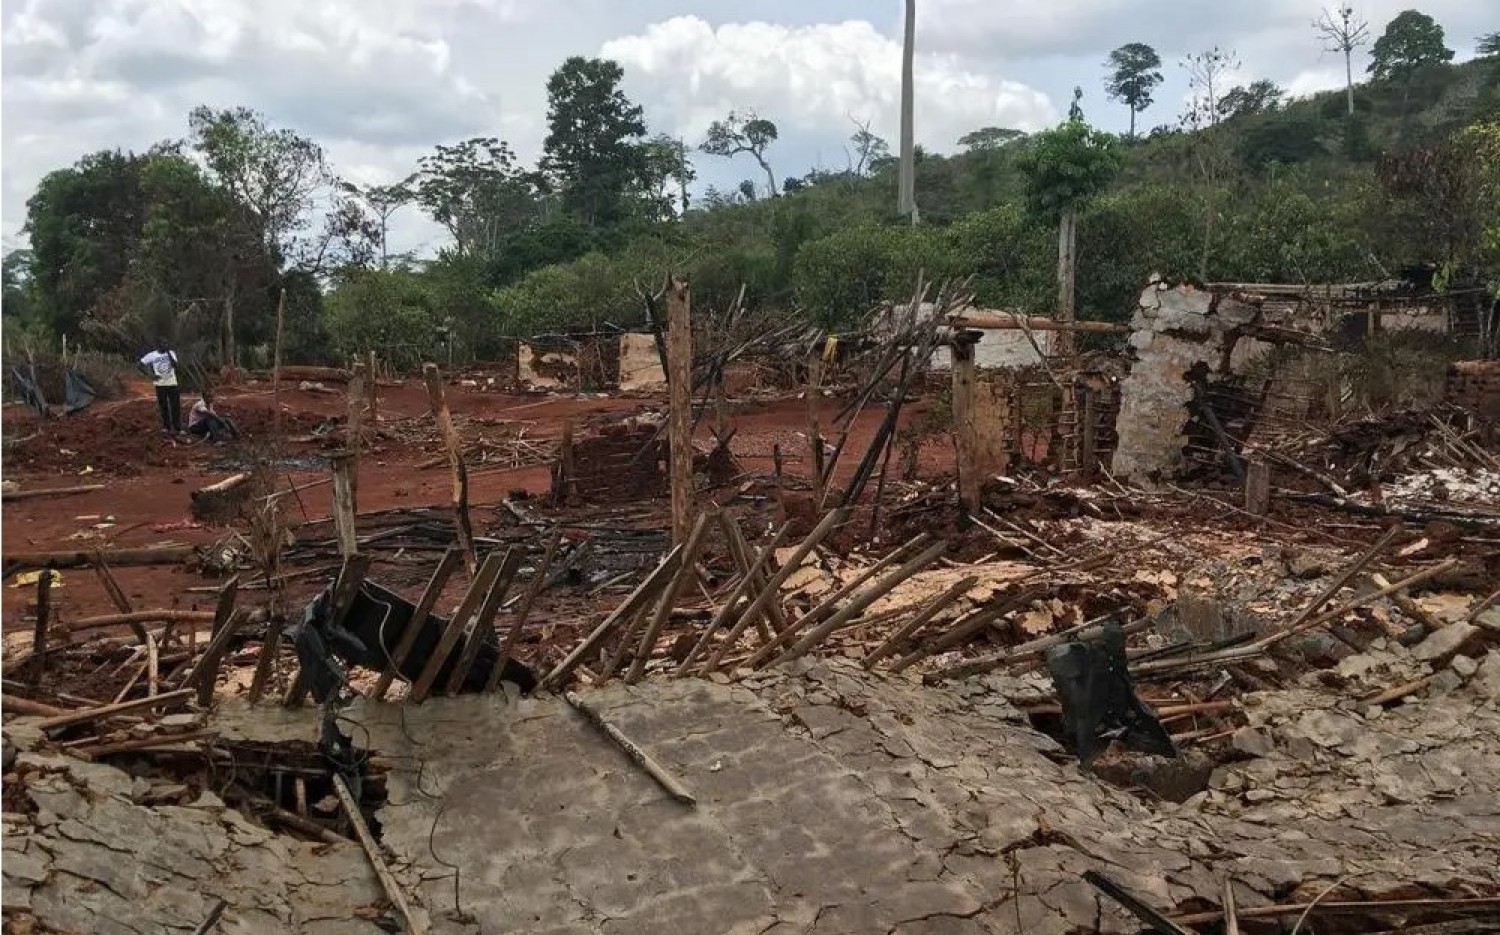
(1177, 331)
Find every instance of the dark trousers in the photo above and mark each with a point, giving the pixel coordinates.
(169, 404)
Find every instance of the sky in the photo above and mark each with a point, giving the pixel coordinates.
(380, 82)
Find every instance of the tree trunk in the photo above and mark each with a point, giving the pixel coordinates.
(1349, 80)
(906, 202)
(1067, 269)
(230, 351)
(680, 430)
(1132, 121)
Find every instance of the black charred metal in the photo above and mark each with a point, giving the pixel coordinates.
(1099, 701)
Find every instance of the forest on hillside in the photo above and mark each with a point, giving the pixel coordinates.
(199, 239)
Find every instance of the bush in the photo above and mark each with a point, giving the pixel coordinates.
(841, 277)
(390, 311)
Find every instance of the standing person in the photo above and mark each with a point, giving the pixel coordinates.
(161, 366)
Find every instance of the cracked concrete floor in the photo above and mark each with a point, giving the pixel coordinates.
(833, 801)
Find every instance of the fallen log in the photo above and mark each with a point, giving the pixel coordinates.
(221, 501)
(147, 555)
(139, 617)
(49, 492)
(640, 757)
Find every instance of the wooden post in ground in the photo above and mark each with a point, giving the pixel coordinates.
(814, 432)
(276, 370)
(963, 420)
(344, 502)
(567, 485)
(1067, 272)
(354, 426)
(39, 636)
(444, 420)
(680, 428)
(1088, 446)
(372, 401)
(1257, 487)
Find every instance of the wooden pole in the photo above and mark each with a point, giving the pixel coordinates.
(117, 594)
(814, 431)
(276, 369)
(1257, 487)
(39, 637)
(372, 402)
(1067, 270)
(685, 572)
(644, 591)
(414, 924)
(206, 672)
(484, 620)
(911, 627)
(270, 647)
(478, 588)
(963, 422)
(354, 424)
(103, 711)
(149, 555)
(10, 495)
(345, 508)
(533, 591)
(680, 428)
(444, 419)
(568, 476)
(637, 755)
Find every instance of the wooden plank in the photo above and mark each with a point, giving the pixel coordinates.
(642, 593)
(686, 570)
(269, 649)
(484, 621)
(449, 639)
(345, 508)
(110, 710)
(533, 591)
(438, 404)
(445, 568)
(414, 923)
(206, 673)
(963, 421)
(680, 413)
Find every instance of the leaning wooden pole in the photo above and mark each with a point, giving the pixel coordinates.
(276, 370)
(444, 419)
(680, 427)
(39, 636)
(345, 507)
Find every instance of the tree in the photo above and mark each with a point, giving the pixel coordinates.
(988, 138)
(1411, 42)
(666, 174)
(743, 132)
(1344, 34)
(1065, 169)
(1207, 75)
(1133, 77)
(1258, 97)
(906, 187)
(592, 130)
(1488, 46)
(867, 146)
(381, 202)
(1075, 109)
(475, 191)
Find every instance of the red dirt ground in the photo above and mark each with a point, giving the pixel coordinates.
(148, 479)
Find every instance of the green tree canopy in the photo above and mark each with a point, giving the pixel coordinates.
(743, 132)
(590, 148)
(1134, 75)
(1066, 167)
(1412, 41)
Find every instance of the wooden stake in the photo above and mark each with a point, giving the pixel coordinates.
(1257, 487)
(345, 508)
(680, 427)
(533, 591)
(354, 429)
(686, 570)
(440, 575)
(963, 421)
(206, 672)
(772, 590)
(444, 420)
(915, 624)
(814, 432)
(640, 757)
(39, 635)
(466, 609)
(372, 402)
(414, 924)
(484, 620)
(567, 491)
(642, 593)
(276, 370)
(744, 557)
(857, 605)
(269, 649)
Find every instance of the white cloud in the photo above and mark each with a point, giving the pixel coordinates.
(815, 79)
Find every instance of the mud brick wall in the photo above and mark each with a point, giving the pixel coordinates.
(619, 464)
(1475, 385)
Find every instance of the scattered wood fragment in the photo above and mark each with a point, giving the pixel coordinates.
(10, 495)
(93, 714)
(637, 755)
(148, 555)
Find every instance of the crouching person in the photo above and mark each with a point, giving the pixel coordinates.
(207, 424)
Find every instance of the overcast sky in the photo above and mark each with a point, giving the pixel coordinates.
(379, 82)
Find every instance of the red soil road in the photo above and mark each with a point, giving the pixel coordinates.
(148, 479)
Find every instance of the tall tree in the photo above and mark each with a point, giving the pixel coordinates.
(868, 147)
(1343, 32)
(1411, 42)
(1065, 169)
(592, 130)
(1208, 73)
(474, 189)
(1134, 75)
(381, 202)
(989, 138)
(666, 174)
(906, 190)
(1259, 96)
(743, 132)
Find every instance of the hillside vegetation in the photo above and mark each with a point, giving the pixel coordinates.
(200, 239)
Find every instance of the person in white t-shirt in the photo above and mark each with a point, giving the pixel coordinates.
(161, 366)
